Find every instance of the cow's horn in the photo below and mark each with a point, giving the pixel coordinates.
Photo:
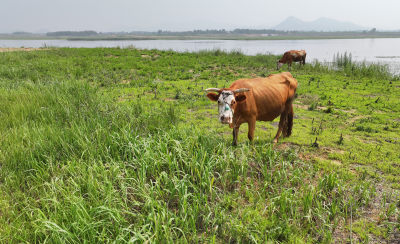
(241, 90)
(213, 89)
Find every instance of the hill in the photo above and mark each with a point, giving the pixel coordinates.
(321, 24)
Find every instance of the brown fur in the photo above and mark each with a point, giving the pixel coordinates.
(293, 56)
(267, 99)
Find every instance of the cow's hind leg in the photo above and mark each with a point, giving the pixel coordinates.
(287, 127)
(280, 126)
(285, 122)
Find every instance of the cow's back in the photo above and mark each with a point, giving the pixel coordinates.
(293, 56)
(267, 96)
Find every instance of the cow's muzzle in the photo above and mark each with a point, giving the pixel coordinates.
(225, 119)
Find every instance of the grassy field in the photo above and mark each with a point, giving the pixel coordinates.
(121, 145)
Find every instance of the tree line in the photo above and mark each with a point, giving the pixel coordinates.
(72, 33)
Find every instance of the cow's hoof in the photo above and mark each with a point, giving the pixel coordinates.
(275, 141)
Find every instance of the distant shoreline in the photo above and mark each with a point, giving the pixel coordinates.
(313, 36)
(249, 38)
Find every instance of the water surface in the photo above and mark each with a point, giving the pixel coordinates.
(381, 50)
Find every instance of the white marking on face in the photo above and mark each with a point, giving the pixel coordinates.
(279, 65)
(225, 110)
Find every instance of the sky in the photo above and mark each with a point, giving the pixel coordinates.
(180, 15)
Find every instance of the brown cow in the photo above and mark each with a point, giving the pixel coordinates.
(292, 56)
(263, 99)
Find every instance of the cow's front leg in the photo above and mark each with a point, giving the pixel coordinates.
(282, 121)
(252, 127)
(235, 135)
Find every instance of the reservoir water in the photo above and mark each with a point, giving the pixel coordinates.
(380, 50)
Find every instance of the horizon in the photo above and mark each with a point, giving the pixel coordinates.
(273, 28)
(179, 15)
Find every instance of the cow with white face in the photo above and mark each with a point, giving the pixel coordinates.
(226, 102)
(263, 99)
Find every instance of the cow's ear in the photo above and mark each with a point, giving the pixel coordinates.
(212, 96)
(240, 98)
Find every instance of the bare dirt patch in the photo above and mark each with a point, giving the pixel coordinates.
(351, 111)
(352, 120)
(111, 56)
(368, 140)
(306, 107)
(13, 49)
(145, 56)
(125, 97)
(323, 154)
(332, 150)
(302, 106)
(125, 82)
(332, 161)
(282, 146)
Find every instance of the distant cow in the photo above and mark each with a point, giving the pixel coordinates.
(292, 56)
(263, 99)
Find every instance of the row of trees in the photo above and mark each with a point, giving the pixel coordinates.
(190, 33)
(72, 33)
(221, 32)
(260, 32)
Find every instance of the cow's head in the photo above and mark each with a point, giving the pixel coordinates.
(278, 64)
(227, 101)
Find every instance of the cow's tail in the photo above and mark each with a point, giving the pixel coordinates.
(287, 128)
(288, 125)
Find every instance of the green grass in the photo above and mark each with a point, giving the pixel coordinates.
(119, 145)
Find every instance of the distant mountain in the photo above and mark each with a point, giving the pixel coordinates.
(321, 24)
